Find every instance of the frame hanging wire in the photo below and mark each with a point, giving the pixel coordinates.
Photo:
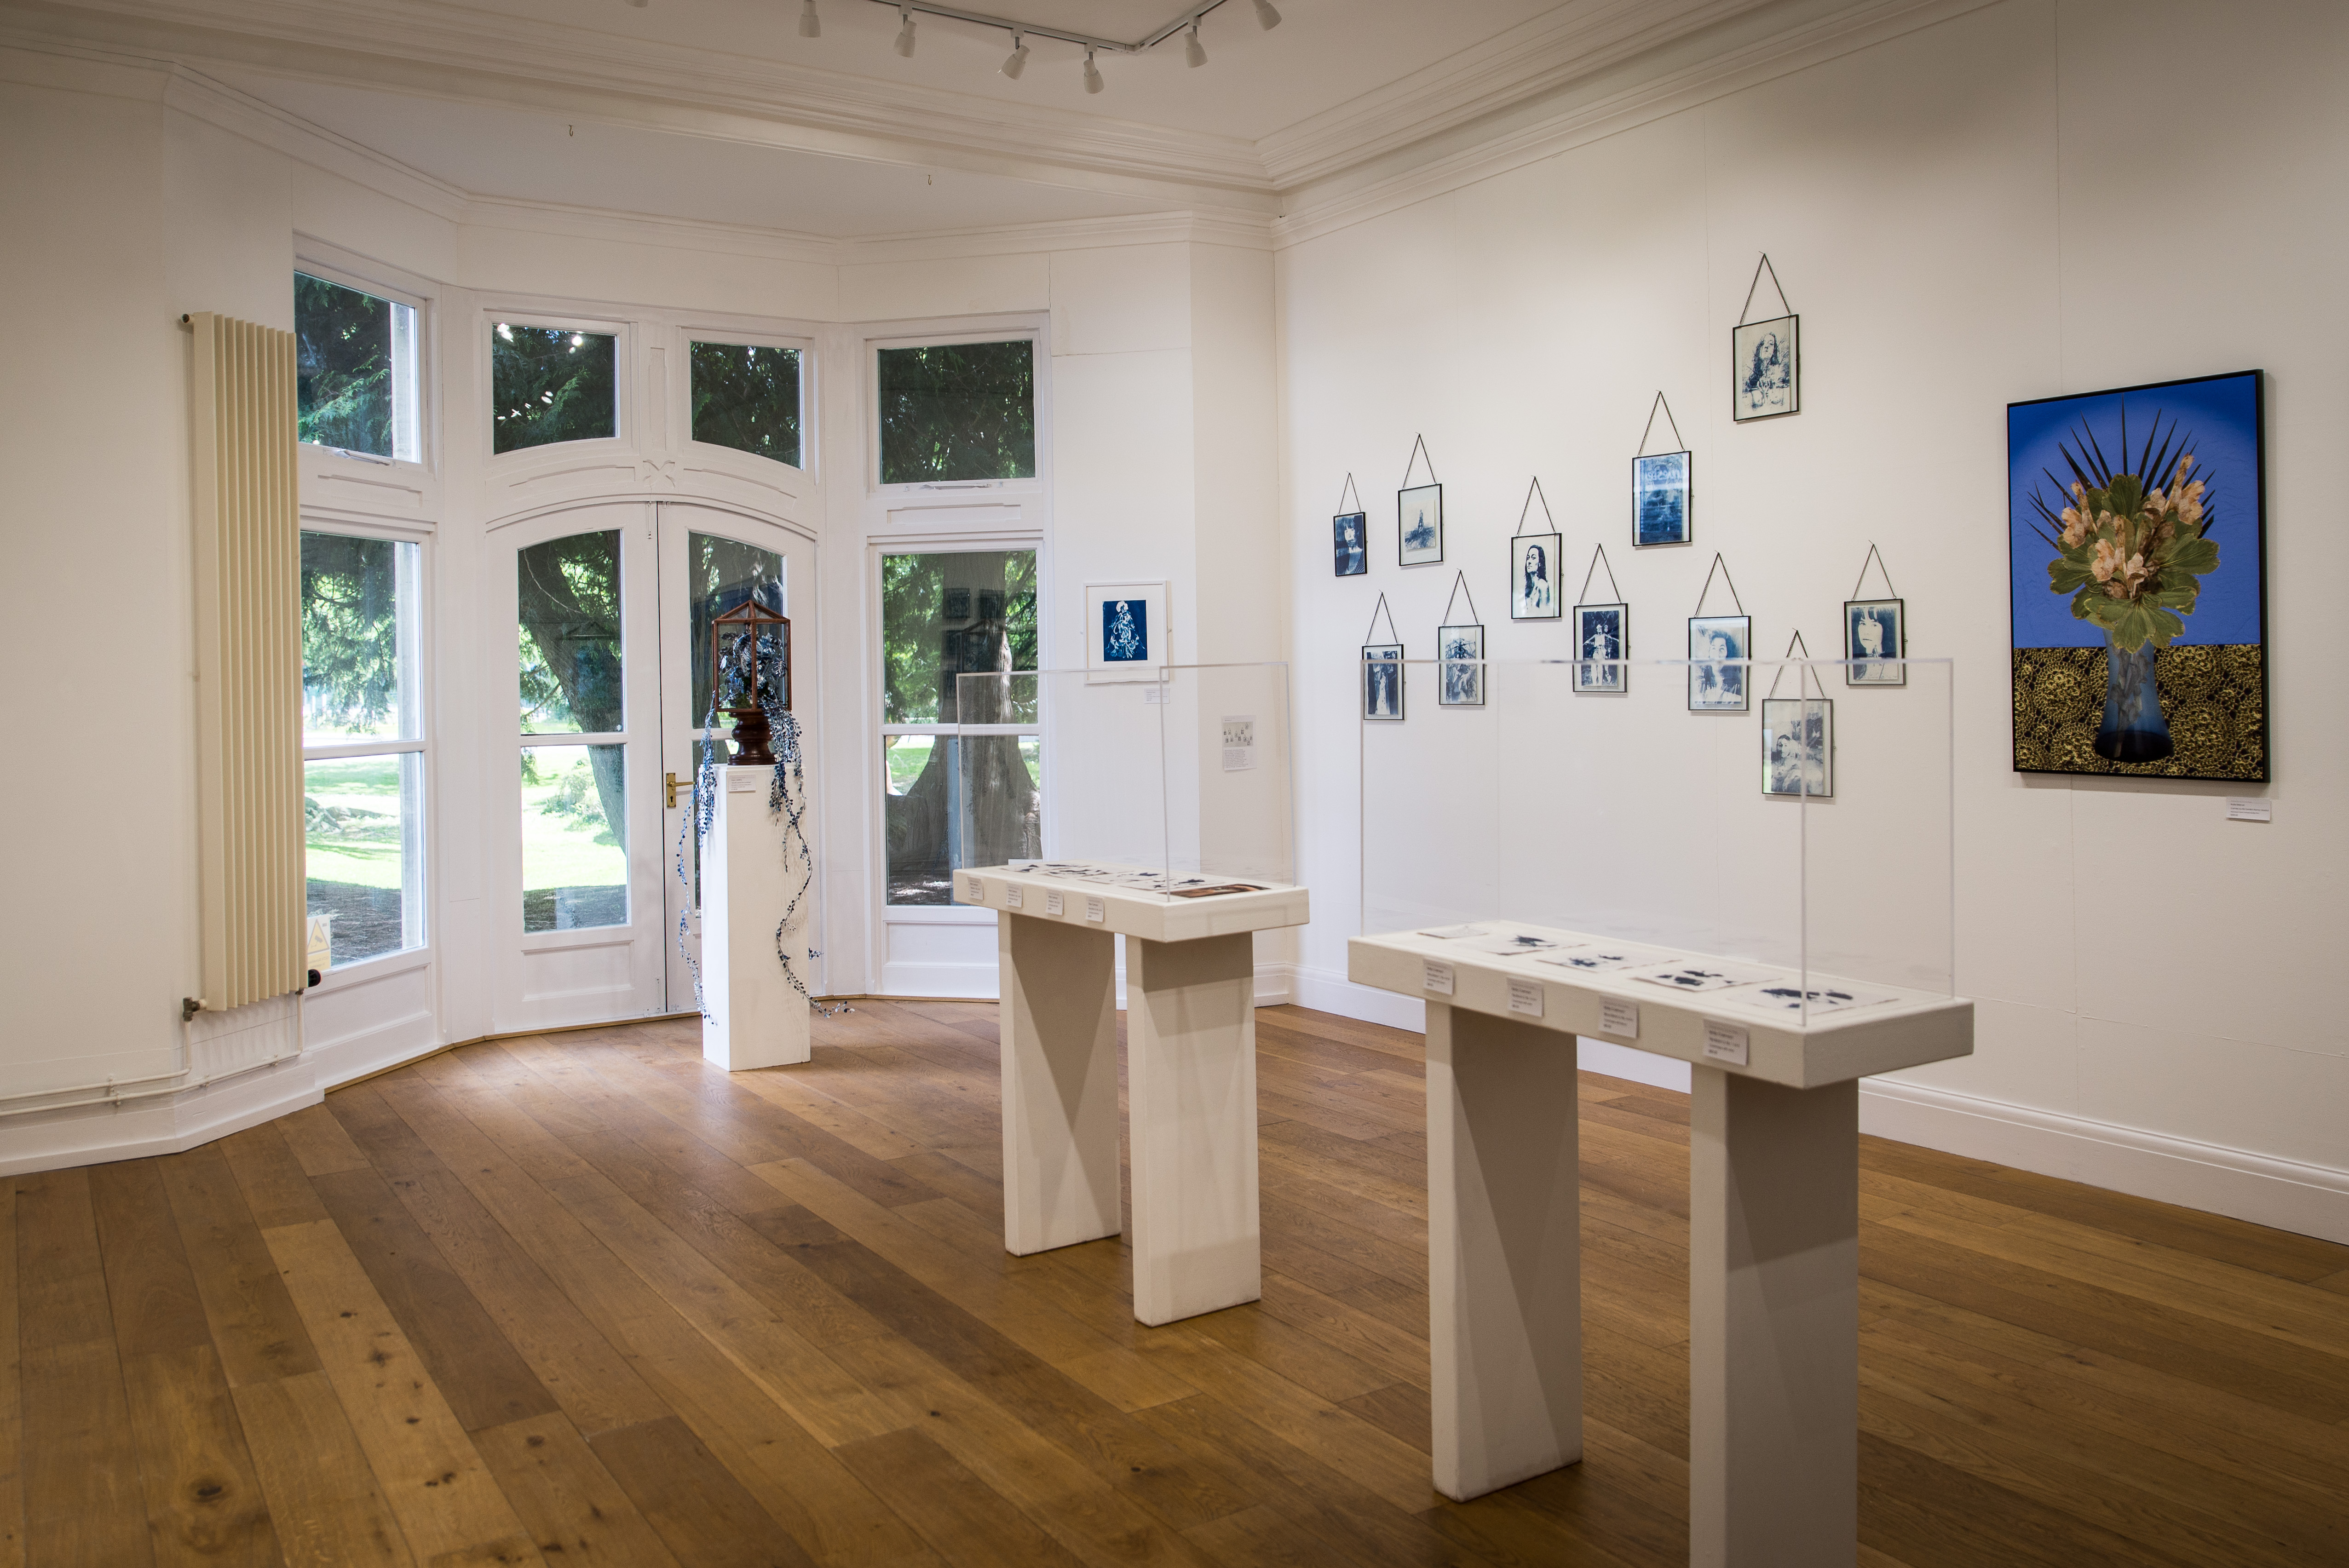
(1598, 559)
(1418, 450)
(1370, 635)
(1526, 511)
(1349, 490)
(1785, 308)
(1649, 429)
(1459, 586)
(1881, 571)
(1802, 685)
(1718, 565)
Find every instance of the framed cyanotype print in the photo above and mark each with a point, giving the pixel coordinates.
(1127, 632)
(1418, 530)
(1718, 646)
(2136, 543)
(1766, 370)
(1875, 638)
(1798, 747)
(1660, 498)
(1533, 577)
(1461, 651)
(1382, 680)
(1350, 541)
(1602, 640)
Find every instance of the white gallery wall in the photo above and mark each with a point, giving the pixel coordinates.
(2013, 203)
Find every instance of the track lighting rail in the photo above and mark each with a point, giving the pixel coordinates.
(1150, 40)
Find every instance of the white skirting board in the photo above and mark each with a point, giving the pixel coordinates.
(2309, 1200)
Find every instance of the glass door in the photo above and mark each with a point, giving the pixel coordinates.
(711, 560)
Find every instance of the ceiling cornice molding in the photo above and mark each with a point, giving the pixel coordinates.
(1587, 111)
(433, 50)
(1549, 52)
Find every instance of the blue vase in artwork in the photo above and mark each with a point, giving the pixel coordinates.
(2134, 729)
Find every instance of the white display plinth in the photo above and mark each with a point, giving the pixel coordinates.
(1774, 1222)
(1190, 978)
(752, 1014)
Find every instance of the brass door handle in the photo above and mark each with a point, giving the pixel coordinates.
(673, 784)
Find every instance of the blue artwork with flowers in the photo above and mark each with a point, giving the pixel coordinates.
(1125, 631)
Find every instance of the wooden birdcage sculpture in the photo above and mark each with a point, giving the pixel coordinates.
(751, 668)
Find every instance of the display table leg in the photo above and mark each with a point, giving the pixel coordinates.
(1058, 1034)
(1505, 1251)
(1774, 1322)
(1190, 1070)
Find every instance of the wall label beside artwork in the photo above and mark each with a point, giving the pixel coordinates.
(2250, 811)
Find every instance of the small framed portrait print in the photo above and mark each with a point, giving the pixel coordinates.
(1382, 680)
(1719, 647)
(1350, 541)
(1875, 639)
(1462, 649)
(1126, 632)
(1798, 747)
(1602, 641)
(1660, 498)
(1418, 530)
(1533, 577)
(1766, 371)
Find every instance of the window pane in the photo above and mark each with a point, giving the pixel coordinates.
(366, 857)
(957, 411)
(358, 639)
(748, 397)
(575, 837)
(930, 833)
(726, 575)
(948, 613)
(551, 383)
(569, 594)
(355, 369)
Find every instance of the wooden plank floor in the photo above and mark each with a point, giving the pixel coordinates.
(580, 1299)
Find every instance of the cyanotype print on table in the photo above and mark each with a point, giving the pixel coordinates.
(1350, 541)
(1798, 747)
(1599, 956)
(1533, 582)
(1511, 943)
(1766, 368)
(1716, 680)
(1462, 649)
(1874, 637)
(1701, 976)
(1603, 642)
(1418, 529)
(1382, 680)
(1660, 498)
(1824, 999)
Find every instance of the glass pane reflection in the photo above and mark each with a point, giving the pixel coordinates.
(569, 607)
(575, 837)
(723, 575)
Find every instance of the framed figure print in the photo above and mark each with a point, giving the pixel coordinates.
(1602, 640)
(1418, 530)
(1874, 637)
(1461, 650)
(1533, 577)
(1798, 747)
(1719, 648)
(1766, 369)
(1382, 680)
(2137, 553)
(1660, 498)
(1351, 542)
(1127, 632)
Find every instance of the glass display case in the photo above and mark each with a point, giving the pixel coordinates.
(1175, 786)
(1773, 837)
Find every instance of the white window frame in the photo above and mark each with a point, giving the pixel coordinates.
(416, 677)
(326, 262)
(1038, 352)
(691, 332)
(623, 380)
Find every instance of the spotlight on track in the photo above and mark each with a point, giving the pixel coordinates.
(905, 44)
(1266, 16)
(1017, 60)
(1193, 53)
(810, 25)
(1093, 74)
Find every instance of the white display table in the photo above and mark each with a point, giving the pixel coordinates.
(1190, 978)
(752, 1014)
(1773, 1221)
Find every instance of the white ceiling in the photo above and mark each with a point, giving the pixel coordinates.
(528, 154)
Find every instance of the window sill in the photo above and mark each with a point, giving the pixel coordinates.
(366, 970)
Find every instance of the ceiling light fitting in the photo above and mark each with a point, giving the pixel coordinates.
(1013, 63)
(1266, 16)
(1093, 74)
(811, 24)
(905, 44)
(1193, 52)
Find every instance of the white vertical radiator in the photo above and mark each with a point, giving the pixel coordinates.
(248, 662)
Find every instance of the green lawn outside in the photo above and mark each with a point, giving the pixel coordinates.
(560, 849)
(352, 808)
